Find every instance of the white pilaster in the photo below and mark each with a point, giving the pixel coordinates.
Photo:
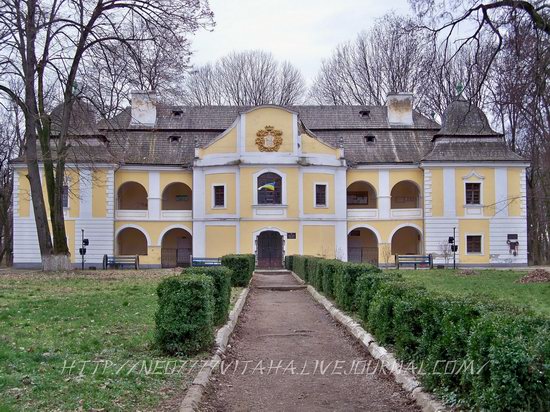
(85, 193)
(449, 192)
(384, 196)
(199, 227)
(154, 199)
(501, 192)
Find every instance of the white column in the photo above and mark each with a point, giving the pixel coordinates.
(340, 208)
(384, 197)
(154, 198)
(449, 192)
(85, 193)
(501, 192)
(199, 227)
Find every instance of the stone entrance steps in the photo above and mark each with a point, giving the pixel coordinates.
(276, 280)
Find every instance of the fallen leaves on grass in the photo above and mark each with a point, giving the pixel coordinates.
(535, 276)
(467, 272)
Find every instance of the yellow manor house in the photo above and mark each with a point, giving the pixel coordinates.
(356, 183)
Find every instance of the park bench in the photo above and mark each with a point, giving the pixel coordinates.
(118, 262)
(204, 261)
(422, 261)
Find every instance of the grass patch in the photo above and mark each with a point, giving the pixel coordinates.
(102, 322)
(496, 284)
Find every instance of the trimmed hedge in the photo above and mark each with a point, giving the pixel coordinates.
(221, 279)
(345, 279)
(242, 267)
(497, 354)
(184, 318)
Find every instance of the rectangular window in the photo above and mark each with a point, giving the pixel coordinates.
(219, 196)
(65, 196)
(320, 195)
(473, 244)
(473, 193)
(358, 198)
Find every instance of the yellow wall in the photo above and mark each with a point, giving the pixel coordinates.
(437, 192)
(413, 175)
(99, 193)
(309, 192)
(369, 176)
(319, 241)
(74, 193)
(24, 194)
(312, 145)
(488, 188)
(226, 143)
(258, 119)
(248, 228)
(230, 189)
(154, 230)
(139, 176)
(248, 197)
(220, 240)
(474, 227)
(182, 176)
(514, 192)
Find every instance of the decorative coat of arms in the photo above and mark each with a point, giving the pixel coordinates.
(269, 139)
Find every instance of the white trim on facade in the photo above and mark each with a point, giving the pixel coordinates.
(213, 205)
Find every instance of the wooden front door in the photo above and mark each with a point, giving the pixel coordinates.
(270, 250)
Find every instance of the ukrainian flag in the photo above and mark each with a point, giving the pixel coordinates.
(268, 186)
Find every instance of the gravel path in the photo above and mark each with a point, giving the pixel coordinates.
(287, 353)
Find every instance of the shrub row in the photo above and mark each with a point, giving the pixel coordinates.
(191, 305)
(334, 278)
(242, 267)
(497, 355)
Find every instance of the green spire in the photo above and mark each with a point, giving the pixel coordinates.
(459, 89)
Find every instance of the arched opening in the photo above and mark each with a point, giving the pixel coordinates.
(270, 250)
(131, 241)
(132, 196)
(405, 195)
(177, 196)
(363, 246)
(361, 195)
(176, 248)
(406, 241)
(270, 189)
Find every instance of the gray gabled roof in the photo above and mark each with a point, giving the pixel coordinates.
(464, 136)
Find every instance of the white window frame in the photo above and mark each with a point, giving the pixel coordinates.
(478, 179)
(315, 205)
(213, 204)
(283, 189)
(466, 244)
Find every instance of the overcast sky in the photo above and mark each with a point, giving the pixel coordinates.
(301, 31)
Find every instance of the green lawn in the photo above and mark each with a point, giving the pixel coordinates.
(496, 284)
(105, 319)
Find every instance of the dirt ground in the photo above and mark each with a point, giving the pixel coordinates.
(287, 353)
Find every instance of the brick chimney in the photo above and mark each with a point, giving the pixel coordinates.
(400, 107)
(144, 108)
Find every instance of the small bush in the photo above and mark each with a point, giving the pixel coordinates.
(242, 267)
(345, 279)
(184, 318)
(221, 279)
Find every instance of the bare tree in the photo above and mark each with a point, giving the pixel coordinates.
(10, 146)
(245, 78)
(154, 60)
(43, 44)
(388, 58)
